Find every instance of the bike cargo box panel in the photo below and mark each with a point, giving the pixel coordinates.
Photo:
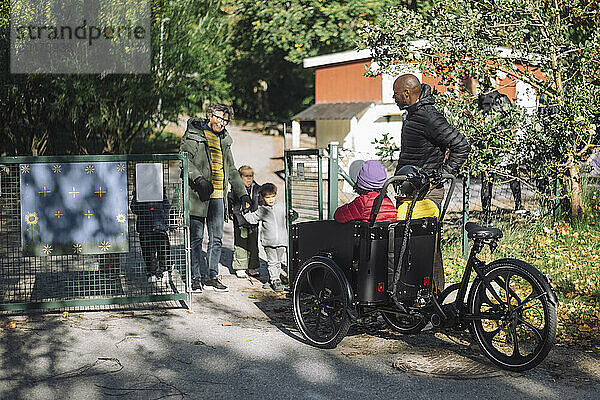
(417, 267)
(374, 279)
(329, 238)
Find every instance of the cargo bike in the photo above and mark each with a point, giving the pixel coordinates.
(342, 273)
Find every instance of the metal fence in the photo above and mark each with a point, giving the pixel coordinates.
(76, 278)
(304, 183)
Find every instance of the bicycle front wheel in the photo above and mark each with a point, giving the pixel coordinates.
(514, 320)
(320, 302)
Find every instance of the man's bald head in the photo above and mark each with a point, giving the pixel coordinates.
(407, 90)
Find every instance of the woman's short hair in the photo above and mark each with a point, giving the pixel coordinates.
(225, 109)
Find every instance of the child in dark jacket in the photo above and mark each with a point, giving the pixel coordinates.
(151, 225)
(245, 234)
(369, 183)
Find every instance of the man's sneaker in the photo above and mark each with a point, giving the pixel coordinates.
(241, 273)
(165, 277)
(253, 272)
(276, 285)
(152, 279)
(196, 285)
(216, 285)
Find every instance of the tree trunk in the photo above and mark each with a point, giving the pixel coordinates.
(577, 207)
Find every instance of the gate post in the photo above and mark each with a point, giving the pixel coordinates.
(320, 182)
(556, 211)
(465, 239)
(332, 176)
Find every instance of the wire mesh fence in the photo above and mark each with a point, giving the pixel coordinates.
(489, 200)
(493, 200)
(64, 245)
(305, 184)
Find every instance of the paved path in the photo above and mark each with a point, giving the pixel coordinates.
(242, 345)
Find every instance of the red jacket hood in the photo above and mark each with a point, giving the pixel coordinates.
(360, 209)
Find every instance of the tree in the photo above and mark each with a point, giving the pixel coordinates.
(552, 45)
(270, 40)
(110, 113)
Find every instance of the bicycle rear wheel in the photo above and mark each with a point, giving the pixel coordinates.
(515, 323)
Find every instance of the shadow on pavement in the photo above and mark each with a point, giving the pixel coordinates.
(152, 354)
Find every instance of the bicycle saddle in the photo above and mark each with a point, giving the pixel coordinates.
(475, 231)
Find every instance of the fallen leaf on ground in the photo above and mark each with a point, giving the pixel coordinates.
(584, 328)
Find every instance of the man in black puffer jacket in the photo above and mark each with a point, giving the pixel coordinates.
(426, 135)
(428, 141)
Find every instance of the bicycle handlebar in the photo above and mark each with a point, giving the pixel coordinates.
(402, 178)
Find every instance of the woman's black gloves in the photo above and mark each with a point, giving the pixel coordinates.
(202, 187)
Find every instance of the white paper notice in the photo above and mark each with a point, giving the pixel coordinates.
(149, 182)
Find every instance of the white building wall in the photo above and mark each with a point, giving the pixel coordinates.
(373, 124)
(526, 97)
(332, 131)
(358, 134)
(296, 132)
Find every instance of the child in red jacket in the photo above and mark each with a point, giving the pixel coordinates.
(369, 182)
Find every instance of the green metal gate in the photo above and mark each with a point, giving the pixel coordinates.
(79, 280)
(304, 183)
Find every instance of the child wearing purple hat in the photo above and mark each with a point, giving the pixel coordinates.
(369, 182)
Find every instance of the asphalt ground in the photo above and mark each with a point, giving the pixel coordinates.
(242, 344)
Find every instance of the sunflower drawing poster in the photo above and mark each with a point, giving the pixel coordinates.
(74, 208)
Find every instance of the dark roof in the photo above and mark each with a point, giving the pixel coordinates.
(332, 111)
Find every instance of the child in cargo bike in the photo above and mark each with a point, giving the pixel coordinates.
(369, 182)
(424, 208)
